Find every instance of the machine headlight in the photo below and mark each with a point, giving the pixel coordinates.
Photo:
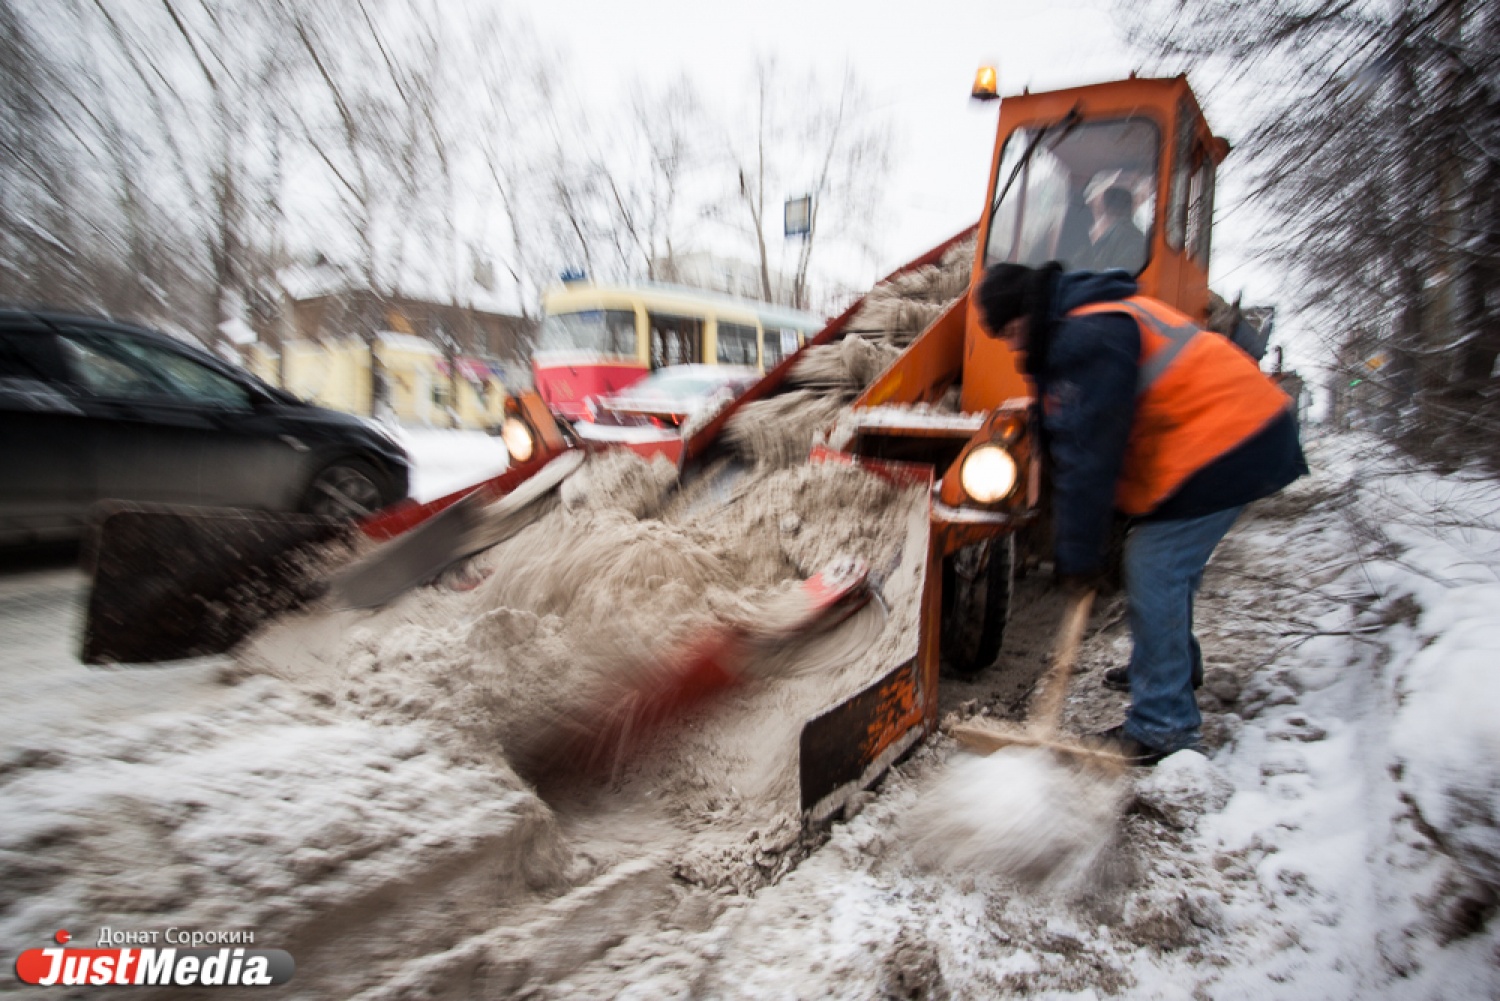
(988, 474)
(518, 440)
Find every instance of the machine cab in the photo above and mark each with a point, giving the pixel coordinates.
(1115, 175)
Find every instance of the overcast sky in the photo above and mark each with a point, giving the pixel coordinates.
(918, 59)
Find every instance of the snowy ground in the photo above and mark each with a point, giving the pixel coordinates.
(1340, 840)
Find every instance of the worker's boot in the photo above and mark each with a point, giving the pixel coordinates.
(1132, 750)
(1118, 678)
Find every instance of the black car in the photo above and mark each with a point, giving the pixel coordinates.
(92, 409)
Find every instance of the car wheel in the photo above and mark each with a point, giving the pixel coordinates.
(345, 490)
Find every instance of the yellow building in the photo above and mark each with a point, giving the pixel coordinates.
(409, 371)
(332, 373)
(390, 355)
(410, 375)
(262, 361)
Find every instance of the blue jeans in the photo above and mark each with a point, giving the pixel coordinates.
(1164, 563)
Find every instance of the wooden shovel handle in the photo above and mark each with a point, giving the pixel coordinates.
(1047, 711)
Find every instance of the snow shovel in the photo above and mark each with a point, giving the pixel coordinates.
(461, 530)
(1042, 730)
(612, 722)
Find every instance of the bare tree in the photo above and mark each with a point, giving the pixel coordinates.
(1377, 147)
(854, 164)
(835, 148)
(755, 165)
(662, 146)
(35, 164)
(166, 158)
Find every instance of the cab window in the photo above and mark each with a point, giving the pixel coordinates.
(1200, 211)
(1190, 202)
(1085, 196)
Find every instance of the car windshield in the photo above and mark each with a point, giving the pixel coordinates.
(1085, 197)
(604, 331)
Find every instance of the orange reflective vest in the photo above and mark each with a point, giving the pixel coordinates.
(1197, 397)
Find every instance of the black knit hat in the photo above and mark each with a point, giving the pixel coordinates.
(1009, 291)
(1002, 294)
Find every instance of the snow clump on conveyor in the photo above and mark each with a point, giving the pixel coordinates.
(779, 431)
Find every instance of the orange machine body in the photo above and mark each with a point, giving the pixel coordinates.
(995, 397)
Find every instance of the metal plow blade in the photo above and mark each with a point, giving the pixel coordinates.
(851, 745)
(172, 582)
(848, 746)
(472, 525)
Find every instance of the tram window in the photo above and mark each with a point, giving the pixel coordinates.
(609, 331)
(779, 344)
(675, 340)
(737, 344)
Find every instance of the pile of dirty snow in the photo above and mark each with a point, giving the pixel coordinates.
(608, 593)
(353, 769)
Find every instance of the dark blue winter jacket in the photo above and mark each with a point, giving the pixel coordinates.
(1087, 384)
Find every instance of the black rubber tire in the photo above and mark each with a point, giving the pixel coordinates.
(346, 489)
(977, 584)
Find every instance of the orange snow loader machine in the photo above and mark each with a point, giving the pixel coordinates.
(954, 412)
(956, 409)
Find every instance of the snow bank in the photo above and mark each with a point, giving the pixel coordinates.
(1435, 561)
(263, 813)
(1448, 736)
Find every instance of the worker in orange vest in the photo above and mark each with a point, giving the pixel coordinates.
(1145, 413)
